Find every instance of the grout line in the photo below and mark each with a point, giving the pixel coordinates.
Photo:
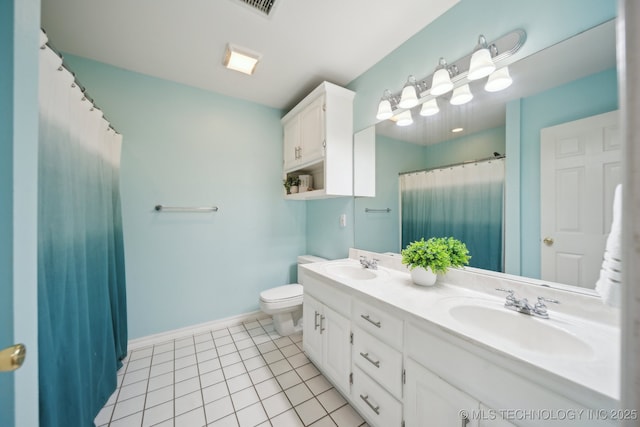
(200, 381)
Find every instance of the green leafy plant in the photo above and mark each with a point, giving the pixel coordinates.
(290, 181)
(438, 253)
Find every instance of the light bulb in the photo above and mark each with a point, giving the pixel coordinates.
(409, 97)
(404, 118)
(461, 95)
(498, 80)
(429, 108)
(384, 110)
(441, 82)
(481, 64)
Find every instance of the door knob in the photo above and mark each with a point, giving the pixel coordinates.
(11, 358)
(548, 241)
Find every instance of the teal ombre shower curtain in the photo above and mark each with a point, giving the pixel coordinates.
(82, 329)
(464, 201)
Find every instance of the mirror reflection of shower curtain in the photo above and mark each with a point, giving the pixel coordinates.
(82, 324)
(464, 201)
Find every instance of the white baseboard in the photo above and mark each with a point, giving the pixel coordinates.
(150, 340)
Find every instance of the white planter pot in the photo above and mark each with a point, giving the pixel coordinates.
(293, 189)
(423, 277)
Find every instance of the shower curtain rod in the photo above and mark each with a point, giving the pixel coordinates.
(75, 80)
(486, 159)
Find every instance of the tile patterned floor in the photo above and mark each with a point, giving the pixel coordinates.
(245, 375)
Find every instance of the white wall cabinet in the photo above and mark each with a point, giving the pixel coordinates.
(304, 136)
(326, 341)
(318, 141)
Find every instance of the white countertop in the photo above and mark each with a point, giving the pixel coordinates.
(597, 370)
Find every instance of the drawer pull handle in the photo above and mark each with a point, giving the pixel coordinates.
(368, 319)
(375, 363)
(315, 326)
(375, 409)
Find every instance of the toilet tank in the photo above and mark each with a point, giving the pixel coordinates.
(308, 259)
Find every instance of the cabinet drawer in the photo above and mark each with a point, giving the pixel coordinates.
(378, 360)
(379, 407)
(378, 323)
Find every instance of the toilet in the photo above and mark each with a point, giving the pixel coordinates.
(284, 303)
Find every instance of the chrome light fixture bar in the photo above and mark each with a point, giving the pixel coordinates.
(485, 60)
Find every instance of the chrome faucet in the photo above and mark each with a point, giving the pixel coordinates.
(523, 306)
(372, 264)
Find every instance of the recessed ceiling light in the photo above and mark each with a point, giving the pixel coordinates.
(456, 130)
(240, 59)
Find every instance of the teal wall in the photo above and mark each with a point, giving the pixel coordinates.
(479, 145)
(325, 237)
(586, 97)
(19, 34)
(188, 147)
(376, 231)
(6, 204)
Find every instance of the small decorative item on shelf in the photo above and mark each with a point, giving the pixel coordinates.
(427, 259)
(291, 184)
(306, 183)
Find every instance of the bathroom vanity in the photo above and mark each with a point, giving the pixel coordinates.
(452, 354)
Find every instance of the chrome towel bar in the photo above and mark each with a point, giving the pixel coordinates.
(377, 210)
(162, 208)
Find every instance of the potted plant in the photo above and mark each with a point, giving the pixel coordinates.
(427, 259)
(291, 184)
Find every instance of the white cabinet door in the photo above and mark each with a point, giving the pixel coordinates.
(430, 401)
(311, 338)
(291, 143)
(312, 132)
(336, 347)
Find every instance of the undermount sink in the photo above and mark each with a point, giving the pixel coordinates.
(354, 272)
(526, 332)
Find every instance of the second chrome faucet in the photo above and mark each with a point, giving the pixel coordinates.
(522, 305)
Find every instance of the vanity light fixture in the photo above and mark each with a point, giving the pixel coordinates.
(430, 108)
(441, 82)
(409, 97)
(487, 59)
(457, 130)
(404, 118)
(461, 95)
(498, 80)
(240, 59)
(481, 64)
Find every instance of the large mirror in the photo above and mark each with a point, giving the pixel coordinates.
(571, 80)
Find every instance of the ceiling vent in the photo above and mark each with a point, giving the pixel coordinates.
(263, 6)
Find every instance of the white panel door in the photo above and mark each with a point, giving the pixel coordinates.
(580, 167)
(311, 338)
(291, 143)
(336, 331)
(430, 401)
(312, 131)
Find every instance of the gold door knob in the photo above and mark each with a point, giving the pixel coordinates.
(548, 241)
(11, 358)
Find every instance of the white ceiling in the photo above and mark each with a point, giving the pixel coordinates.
(302, 42)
